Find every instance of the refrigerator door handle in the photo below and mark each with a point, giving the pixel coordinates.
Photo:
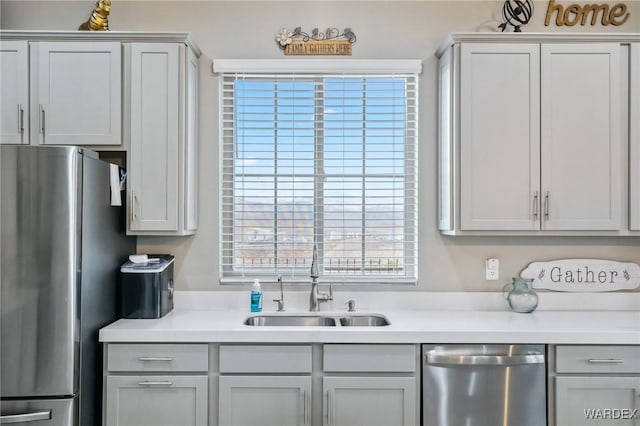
(27, 417)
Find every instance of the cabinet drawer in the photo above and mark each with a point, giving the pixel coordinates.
(370, 358)
(158, 357)
(265, 359)
(598, 359)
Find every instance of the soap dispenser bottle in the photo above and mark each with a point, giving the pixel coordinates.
(256, 297)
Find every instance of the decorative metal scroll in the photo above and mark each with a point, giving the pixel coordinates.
(516, 13)
(329, 42)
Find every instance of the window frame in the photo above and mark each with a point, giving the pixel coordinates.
(328, 68)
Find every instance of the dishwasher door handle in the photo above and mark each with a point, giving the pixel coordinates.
(444, 358)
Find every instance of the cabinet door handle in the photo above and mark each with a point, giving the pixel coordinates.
(155, 383)
(21, 119)
(41, 119)
(605, 361)
(546, 205)
(303, 403)
(535, 205)
(133, 206)
(156, 358)
(329, 407)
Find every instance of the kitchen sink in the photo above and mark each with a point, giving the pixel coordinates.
(364, 321)
(277, 320)
(290, 321)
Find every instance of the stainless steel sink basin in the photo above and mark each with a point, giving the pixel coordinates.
(364, 321)
(290, 321)
(277, 320)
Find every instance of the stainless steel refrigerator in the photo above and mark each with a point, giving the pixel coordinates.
(61, 246)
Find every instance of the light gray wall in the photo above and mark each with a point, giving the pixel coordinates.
(385, 29)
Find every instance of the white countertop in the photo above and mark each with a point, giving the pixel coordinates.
(427, 318)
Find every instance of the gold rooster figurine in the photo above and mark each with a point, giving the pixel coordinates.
(99, 19)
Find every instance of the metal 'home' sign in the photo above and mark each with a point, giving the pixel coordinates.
(583, 275)
(593, 14)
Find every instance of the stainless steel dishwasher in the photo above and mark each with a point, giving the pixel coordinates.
(484, 385)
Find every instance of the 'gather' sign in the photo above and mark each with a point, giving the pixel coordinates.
(583, 275)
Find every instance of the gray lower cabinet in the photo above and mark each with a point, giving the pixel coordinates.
(156, 400)
(370, 385)
(264, 400)
(597, 401)
(369, 401)
(319, 384)
(595, 385)
(634, 137)
(266, 385)
(156, 384)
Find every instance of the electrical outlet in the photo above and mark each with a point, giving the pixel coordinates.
(492, 269)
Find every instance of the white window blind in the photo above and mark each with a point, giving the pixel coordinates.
(325, 159)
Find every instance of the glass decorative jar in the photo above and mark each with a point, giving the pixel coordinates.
(520, 295)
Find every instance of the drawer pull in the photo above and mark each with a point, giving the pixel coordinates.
(158, 383)
(605, 361)
(156, 358)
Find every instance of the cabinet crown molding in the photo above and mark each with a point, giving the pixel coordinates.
(90, 36)
(479, 37)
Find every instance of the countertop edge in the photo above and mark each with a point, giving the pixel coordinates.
(545, 327)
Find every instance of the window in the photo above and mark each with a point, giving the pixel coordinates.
(326, 159)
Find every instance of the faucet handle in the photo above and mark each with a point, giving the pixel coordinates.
(330, 295)
(280, 301)
(351, 305)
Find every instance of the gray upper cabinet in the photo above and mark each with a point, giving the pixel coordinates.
(14, 80)
(531, 135)
(634, 121)
(161, 128)
(61, 92)
(499, 136)
(582, 165)
(112, 91)
(76, 93)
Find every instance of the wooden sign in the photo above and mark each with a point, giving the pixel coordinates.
(318, 47)
(573, 14)
(585, 275)
(329, 42)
